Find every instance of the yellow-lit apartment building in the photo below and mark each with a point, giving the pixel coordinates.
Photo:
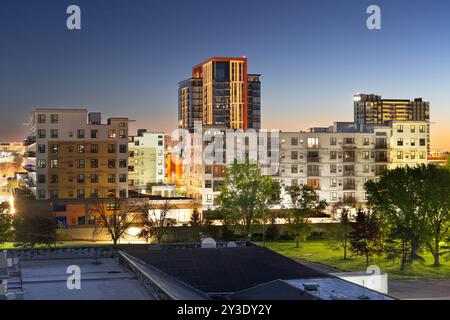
(73, 155)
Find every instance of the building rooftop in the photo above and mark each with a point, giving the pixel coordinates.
(47, 280)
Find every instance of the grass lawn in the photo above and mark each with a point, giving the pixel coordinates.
(322, 252)
(9, 245)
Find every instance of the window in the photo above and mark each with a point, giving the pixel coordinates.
(94, 134)
(422, 129)
(111, 193)
(349, 140)
(122, 134)
(366, 168)
(91, 219)
(123, 148)
(94, 163)
(94, 148)
(41, 178)
(54, 194)
(123, 177)
(111, 133)
(54, 178)
(122, 163)
(294, 155)
(313, 143)
(41, 148)
(81, 220)
(111, 178)
(422, 155)
(332, 168)
(111, 148)
(54, 133)
(80, 178)
(413, 128)
(80, 193)
(294, 141)
(94, 193)
(160, 143)
(333, 141)
(41, 194)
(400, 128)
(422, 142)
(94, 178)
(413, 155)
(54, 163)
(41, 163)
(208, 184)
(294, 169)
(54, 148)
(80, 163)
(313, 170)
(366, 141)
(366, 155)
(413, 142)
(333, 155)
(333, 196)
(399, 142)
(399, 154)
(111, 164)
(333, 182)
(80, 148)
(123, 193)
(314, 183)
(80, 133)
(41, 133)
(53, 118)
(41, 118)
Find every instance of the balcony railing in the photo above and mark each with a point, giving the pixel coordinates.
(29, 140)
(313, 159)
(29, 167)
(349, 186)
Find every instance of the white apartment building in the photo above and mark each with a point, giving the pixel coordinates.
(72, 154)
(146, 162)
(337, 161)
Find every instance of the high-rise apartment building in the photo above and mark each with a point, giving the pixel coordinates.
(72, 154)
(371, 108)
(220, 93)
(146, 161)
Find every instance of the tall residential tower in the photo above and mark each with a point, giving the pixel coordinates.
(220, 93)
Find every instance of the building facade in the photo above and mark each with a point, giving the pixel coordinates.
(220, 93)
(146, 162)
(371, 108)
(72, 154)
(337, 161)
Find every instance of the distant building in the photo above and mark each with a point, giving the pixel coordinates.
(72, 154)
(220, 93)
(146, 162)
(13, 147)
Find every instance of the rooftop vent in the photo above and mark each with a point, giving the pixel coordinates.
(208, 243)
(311, 286)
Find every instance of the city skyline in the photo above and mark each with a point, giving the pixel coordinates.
(128, 62)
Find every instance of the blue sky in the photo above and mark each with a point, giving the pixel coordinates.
(313, 56)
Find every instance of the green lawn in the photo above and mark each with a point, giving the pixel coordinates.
(322, 252)
(9, 245)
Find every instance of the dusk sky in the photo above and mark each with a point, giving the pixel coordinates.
(313, 56)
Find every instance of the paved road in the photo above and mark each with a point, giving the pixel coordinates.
(420, 289)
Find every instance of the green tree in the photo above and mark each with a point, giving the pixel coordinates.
(304, 203)
(396, 199)
(246, 194)
(342, 211)
(435, 203)
(366, 237)
(6, 222)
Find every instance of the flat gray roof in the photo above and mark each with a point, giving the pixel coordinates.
(47, 280)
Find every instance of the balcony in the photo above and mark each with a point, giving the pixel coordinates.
(349, 186)
(29, 167)
(349, 173)
(30, 154)
(381, 146)
(29, 141)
